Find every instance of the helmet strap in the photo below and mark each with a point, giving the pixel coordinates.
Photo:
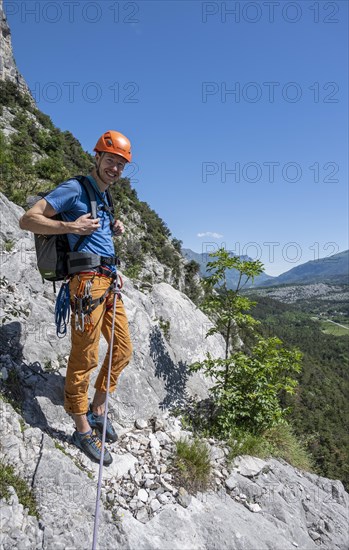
(97, 166)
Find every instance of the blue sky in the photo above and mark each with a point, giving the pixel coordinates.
(237, 111)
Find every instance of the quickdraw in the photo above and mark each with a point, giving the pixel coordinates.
(83, 304)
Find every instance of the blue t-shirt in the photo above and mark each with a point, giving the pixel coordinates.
(70, 199)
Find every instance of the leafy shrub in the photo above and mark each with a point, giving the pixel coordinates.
(133, 272)
(247, 388)
(165, 327)
(12, 97)
(192, 288)
(52, 169)
(44, 119)
(12, 390)
(177, 244)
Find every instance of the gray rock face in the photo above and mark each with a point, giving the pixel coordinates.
(184, 498)
(254, 504)
(65, 495)
(249, 466)
(279, 508)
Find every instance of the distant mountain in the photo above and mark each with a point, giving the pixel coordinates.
(232, 275)
(334, 269)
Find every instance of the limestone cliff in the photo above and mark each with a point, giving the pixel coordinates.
(8, 67)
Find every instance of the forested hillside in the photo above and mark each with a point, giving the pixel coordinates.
(320, 409)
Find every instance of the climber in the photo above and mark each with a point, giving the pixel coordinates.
(70, 200)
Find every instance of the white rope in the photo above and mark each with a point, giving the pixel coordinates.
(100, 473)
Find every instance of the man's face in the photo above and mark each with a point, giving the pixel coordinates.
(110, 167)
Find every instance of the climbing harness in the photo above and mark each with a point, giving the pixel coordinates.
(83, 304)
(100, 472)
(81, 261)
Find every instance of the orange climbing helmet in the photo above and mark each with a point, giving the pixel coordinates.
(114, 142)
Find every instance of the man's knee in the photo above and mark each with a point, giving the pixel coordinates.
(126, 352)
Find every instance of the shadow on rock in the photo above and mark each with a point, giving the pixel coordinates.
(37, 395)
(10, 340)
(174, 376)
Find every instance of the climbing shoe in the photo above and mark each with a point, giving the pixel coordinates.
(96, 422)
(91, 445)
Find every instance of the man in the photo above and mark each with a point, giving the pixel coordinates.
(70, 199)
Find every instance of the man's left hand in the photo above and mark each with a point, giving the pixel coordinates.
(118, 228)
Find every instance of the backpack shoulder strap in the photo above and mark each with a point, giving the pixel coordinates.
(85, 182)
(91, 191)
(110, 202)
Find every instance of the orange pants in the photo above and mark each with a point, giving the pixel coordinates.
(84, 351)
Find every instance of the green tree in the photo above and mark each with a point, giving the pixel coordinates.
(248, 384)
(225, 306)
(177, 243)
(192, 286)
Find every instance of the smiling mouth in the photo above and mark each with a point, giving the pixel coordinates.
(111, 175)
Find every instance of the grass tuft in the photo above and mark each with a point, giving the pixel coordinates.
(278, 442)
(9, 245)
(12, 390)
(8, 478)
(192, 465)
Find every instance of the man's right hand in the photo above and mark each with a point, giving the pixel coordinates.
(39, 220)
(85, 225)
